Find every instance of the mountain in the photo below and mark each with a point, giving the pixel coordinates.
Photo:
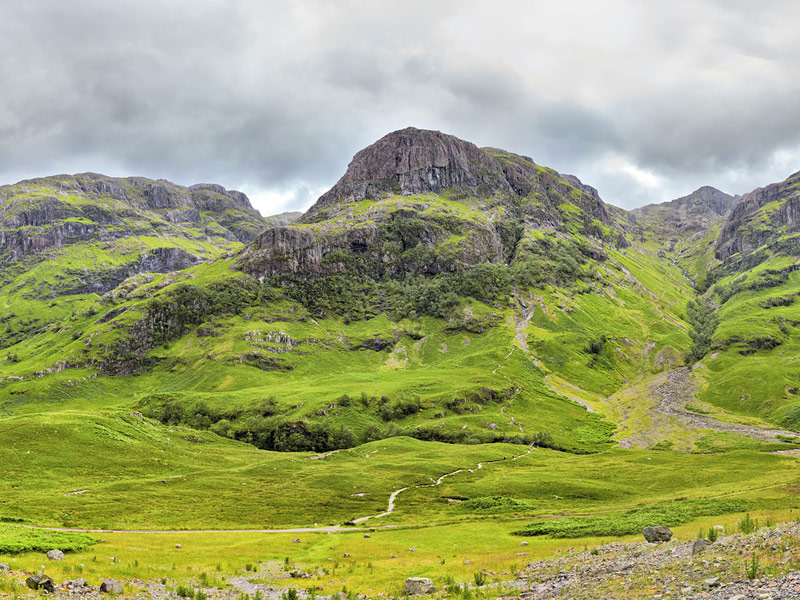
(442, 302)
(688, 214)
(424, 202)
(67, 238)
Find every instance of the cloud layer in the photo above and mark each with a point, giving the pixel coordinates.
(645, 101)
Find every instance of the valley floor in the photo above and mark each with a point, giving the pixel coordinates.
(758, 566)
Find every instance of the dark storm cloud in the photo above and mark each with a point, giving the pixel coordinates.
(644, 101)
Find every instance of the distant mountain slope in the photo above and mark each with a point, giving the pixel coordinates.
(41, 213)
(284, 218)
(68, 238)
(691, 213)
(121, 226)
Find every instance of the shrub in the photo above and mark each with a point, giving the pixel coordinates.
(633, 521)
(747, 524)
(791, 419)
(495, 504)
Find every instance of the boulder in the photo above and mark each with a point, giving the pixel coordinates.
(40, 582)
(109, 586)
(298, 574)
(55, 554)
(74, 584)
(419, 585)
(657, 534)
(4, 568)
(699, 545)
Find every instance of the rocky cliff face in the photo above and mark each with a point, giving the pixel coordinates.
(417, 161)
(54, 211)
(761, 217)
(436, 204)
(413, 161)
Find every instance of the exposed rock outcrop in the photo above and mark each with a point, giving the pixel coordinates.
(697, 211)
(762, 216)
(55, 211)
(414, 161)
(503, 195)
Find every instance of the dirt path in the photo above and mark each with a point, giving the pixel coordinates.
(521, 320)
(330, 529)
(678, 389)
(393, 496)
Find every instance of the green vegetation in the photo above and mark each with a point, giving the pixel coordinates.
(632, 521)
(495, 505)
(703, 321)
(16, 539)
(439, 349)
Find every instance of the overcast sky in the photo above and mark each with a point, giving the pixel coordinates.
(644, 100)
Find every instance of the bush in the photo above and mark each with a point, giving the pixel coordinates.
(495, 504)
(15, 539)
(633, 521)
(791, 419)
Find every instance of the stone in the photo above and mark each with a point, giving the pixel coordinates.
(711, 582)
(418, 585)
(298, 574)
(40, 582)
(109, 586)
(657, 534)
(296, 541)
(523, 543)
(4, 568)
(366, 535)
(738, 597)
(55, 555)
(178, 546)
(699, 545)
(346, 555)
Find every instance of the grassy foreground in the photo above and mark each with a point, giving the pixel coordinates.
(378, 564)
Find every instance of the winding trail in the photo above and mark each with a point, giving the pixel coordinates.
(330, 529)
(393, 496)
(520, 324)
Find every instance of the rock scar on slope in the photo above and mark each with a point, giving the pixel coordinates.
(677, 389)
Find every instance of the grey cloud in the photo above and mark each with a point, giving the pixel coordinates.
(277, 97)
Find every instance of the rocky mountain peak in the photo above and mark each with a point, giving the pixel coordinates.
(415, 161)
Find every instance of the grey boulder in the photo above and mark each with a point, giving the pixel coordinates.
(657, 534)
(419, 585)
(40, 582)
(699, 545)
(55, 554)
(109, 586)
